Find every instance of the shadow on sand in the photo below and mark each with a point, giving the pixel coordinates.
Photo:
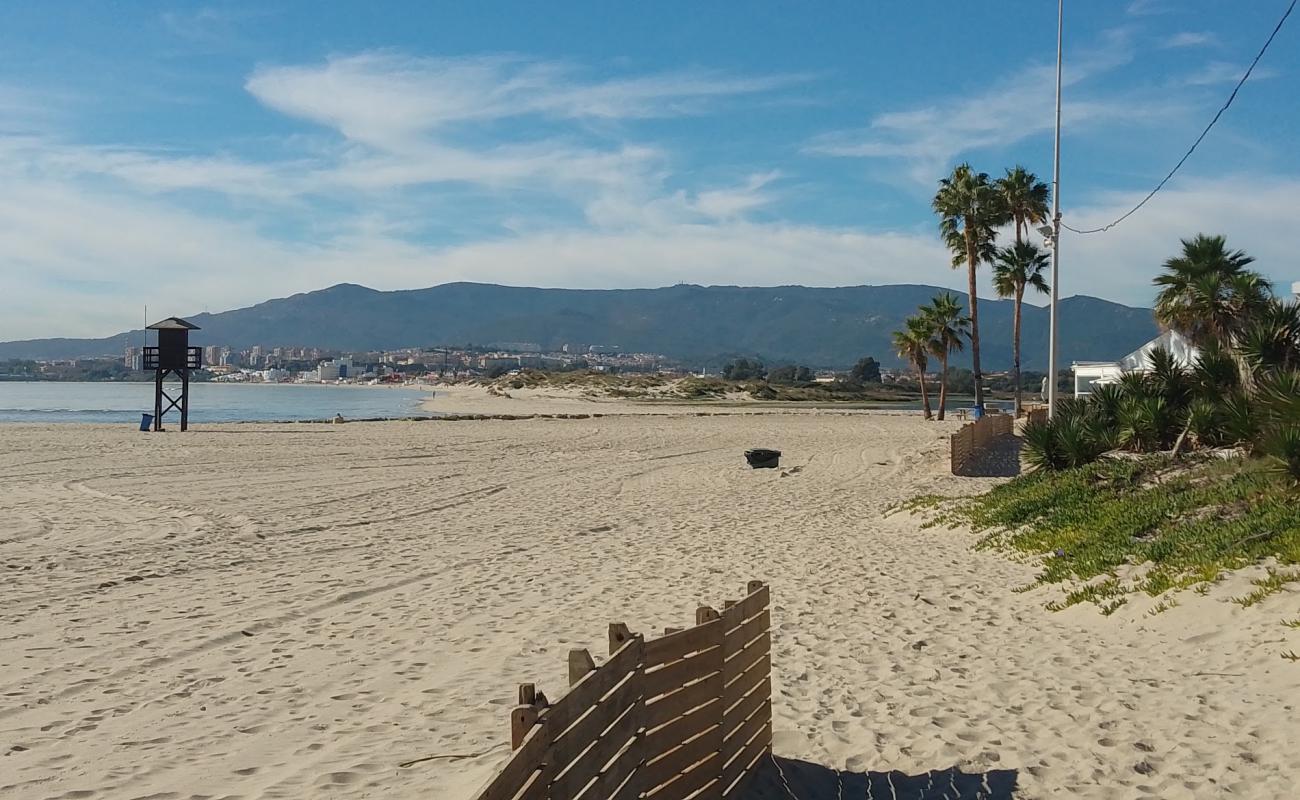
(808, 781)
(1001, 460)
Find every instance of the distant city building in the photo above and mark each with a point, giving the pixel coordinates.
(133, 358)
(603, 349)
(255, 356)
(212, 355)
(540, 362)
(493, 362)
(517, 347)
(333, 369)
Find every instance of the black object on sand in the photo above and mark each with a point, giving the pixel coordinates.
(763, 459)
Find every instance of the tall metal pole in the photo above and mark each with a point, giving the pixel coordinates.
(1053, 337)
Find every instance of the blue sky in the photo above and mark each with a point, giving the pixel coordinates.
(208, 156)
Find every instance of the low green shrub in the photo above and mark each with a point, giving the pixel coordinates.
(1186, 521)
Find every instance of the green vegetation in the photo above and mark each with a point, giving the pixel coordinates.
(744, 369)
(658, 387)
(1243, 390)
(1181, 523)
(1174, 474)
(971, 209)
(1267, 586)
(589, 382)
(912, 344)
(867, 370)
(948, 327)
(1016, 269)
(789, 375)
(937, 329)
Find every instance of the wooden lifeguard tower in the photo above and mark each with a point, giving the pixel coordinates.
(172, 355)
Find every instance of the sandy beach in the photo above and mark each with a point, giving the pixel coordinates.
(292, 611)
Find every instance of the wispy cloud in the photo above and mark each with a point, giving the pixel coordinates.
(410, 171)
(1019, 106)
(386, 100)
(414, 121)
(1255, 212)
(210, 29)
(525, 168)
(25, 111)
(733, 202)
(1189, 39)
(70, 237)
(404, 123)
(59, 238)
(1217, 72)
(1147, 8)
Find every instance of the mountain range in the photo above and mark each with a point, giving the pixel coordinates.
(820, 327)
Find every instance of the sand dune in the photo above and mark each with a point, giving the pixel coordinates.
(294, 611)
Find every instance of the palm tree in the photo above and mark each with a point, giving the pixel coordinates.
(1017, 268)
(1025, 197)
(1269, 343)
(948, 328)
(912, 344)
(1207, 293)
(970, 211)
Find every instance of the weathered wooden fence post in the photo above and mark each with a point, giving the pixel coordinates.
(687, 715)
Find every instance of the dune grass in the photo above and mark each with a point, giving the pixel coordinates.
(1183, 524)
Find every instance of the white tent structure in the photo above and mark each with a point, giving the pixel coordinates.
(1088, 374)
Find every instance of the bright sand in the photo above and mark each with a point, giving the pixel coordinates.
(292, 611)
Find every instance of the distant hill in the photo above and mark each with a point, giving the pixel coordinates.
(704, 324)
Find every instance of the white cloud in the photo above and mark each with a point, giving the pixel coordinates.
(1255, 212)
(103, 254)
(389, 101)
(734, 202)
(929, 138)
(1147, 8)
(26, 112)
(101, 229)
(407, 122)
(1189, 39)
(1217, 72)
(110, 226)
(95, 252)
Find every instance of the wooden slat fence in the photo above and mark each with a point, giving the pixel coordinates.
(969, 443)
(1036, 414)
(686, 715)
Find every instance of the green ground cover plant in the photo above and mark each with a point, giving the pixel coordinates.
(1180, 523)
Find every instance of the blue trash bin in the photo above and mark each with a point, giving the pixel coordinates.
(146, 422)
(976, 412)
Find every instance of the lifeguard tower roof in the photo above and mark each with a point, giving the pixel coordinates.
(173, 324)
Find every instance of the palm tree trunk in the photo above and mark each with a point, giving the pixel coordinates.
(1015, 344)
(943, 385)
(925, 397)
(971, 263)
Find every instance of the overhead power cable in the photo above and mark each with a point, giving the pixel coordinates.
(1200, 138)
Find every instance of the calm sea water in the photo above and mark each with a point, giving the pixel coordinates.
(209, 402)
